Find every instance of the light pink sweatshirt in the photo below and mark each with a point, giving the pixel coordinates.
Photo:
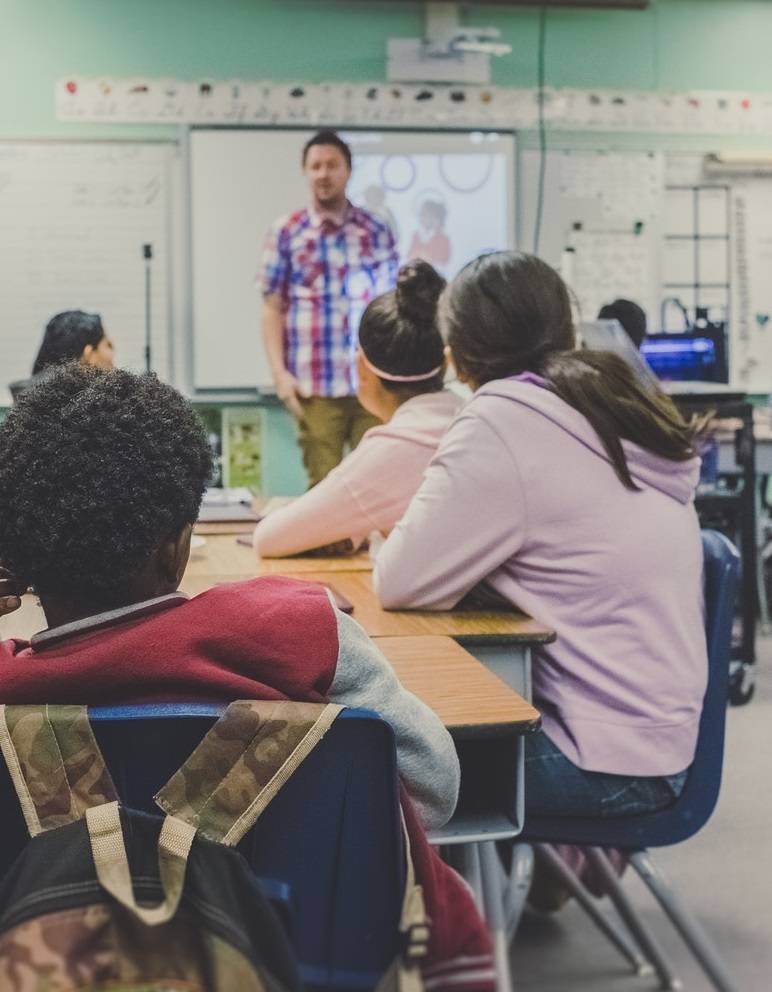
(370, 489)
(522, 494)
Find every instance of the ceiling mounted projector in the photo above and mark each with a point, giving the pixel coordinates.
(449, 52)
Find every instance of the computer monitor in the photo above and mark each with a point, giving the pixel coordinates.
(691, 357)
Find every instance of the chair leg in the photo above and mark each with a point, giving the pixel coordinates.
(694, 936)
(590, 905)
(761, 585)
(645, 939)
(517, 886)
(490, 870)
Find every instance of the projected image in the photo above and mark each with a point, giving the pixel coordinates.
(446, 209)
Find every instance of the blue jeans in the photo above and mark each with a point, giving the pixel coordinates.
(555, 786)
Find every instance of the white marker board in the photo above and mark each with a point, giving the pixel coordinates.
(73, 219)
(242, 180)
(607, 206)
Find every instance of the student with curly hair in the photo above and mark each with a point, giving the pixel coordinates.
(101, 479)
(401, 366)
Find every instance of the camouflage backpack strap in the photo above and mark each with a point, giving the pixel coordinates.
(404, 974)
(242, 763)
(55, 764)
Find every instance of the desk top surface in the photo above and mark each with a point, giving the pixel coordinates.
(222, 560)
(356, 587)
(224, 554)
(465, 695)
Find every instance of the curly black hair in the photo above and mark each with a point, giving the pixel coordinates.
(97, 469)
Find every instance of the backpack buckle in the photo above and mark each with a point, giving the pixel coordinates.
(415, 942)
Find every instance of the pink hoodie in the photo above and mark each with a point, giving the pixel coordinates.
(521, 494)
(370, 489)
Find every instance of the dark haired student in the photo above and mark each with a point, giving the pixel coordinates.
(568, 489)
(630, 316)
(72, 335)
(401, 373)
(101, 480)
(321, 267)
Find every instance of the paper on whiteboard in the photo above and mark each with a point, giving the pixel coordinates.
(608, 265)
(627, 186)
(611, 206)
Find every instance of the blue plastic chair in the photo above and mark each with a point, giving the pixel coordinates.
(692, 809)
(331, 838)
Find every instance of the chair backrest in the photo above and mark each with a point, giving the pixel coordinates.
(692, 809)
(332, 834)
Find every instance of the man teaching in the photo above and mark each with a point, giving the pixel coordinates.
(321, 267)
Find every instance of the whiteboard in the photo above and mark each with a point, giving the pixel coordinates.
(73, 219)
(243, 180)
(607, 207)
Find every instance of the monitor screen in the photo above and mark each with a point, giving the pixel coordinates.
(681, 357)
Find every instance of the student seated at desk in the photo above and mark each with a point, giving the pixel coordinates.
(101, 480)
(630, 316)
(401, 369)
(69, 336)
(568, 489)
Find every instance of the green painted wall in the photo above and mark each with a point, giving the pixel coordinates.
(676, 44)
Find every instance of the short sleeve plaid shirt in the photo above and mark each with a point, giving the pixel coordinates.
(326, 274)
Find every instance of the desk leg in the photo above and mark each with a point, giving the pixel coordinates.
(493, 898)
(470, 869)
(511, 662)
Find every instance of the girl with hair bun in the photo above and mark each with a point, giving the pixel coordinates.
(401, 368)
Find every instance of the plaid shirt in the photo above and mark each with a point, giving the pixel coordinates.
(326, 274)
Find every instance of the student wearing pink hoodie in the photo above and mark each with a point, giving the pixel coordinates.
(567, 488)
(401, 370)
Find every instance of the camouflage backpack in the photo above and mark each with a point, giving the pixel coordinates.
(104, 897)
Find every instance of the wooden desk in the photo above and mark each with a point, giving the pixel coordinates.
(300, 564)
(468, 698)
(224, 559)
(503, 626)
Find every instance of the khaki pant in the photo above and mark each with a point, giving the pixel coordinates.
(330, 423)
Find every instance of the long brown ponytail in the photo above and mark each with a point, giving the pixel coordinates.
(509, 312)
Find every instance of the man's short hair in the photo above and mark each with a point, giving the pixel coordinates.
(98, 469)
(328, 137)
(630, 316)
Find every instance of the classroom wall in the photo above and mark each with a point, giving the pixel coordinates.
(676, 44)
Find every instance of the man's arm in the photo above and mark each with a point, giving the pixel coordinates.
(387, 262)
(273, 335)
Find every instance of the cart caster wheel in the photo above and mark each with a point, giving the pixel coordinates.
(742, 684)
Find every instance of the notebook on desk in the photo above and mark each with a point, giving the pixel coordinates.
(222, 506)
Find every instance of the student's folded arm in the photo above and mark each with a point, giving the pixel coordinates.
(467, 519)
(426, 755)
(324, 515)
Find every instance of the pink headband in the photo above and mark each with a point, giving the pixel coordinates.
(399, 378)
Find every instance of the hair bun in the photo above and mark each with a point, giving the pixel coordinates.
(418, 288)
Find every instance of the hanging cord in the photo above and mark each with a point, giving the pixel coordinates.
(542, 46)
